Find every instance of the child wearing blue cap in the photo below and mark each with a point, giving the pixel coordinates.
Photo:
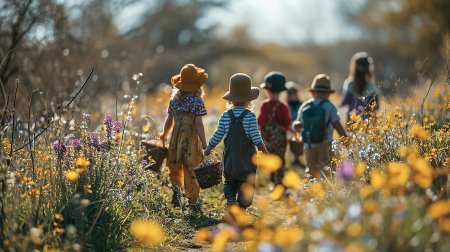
(274, 120)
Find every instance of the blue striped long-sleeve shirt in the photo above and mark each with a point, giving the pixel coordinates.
(250, 127)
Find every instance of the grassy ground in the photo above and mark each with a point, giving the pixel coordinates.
(83, 186)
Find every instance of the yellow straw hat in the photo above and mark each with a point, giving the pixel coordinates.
(190, 78)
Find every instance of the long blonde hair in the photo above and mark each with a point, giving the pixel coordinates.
(247, 105)
(179, 95)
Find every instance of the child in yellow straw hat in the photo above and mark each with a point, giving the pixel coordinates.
(185, 112)
(239, 127)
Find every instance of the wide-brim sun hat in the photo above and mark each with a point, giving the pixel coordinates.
(190, 78)
(240, 89)
(274, 82)
(321, 83)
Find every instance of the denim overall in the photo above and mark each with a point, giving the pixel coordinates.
(238, 153)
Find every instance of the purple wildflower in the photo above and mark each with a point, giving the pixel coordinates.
(108, 121)
(59, 148)
(93, 139)
(144, 162)
(67, 162)
(346, 170)
(76, 143)
(103, 146)
(86, 117)
(117, 126)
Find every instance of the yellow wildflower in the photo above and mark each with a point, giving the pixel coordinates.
(87, 188)
(359, 169)
(82, 162)
(422, 173)
(240, 216)
(221, 239)
(439, 209)
(147, 232)
(317, 189)
(292, 180)
(267, 162)
(418, 132)
(444, 225)
(249, 234)
(366, 191)
(117, 136)
(277, 192)
(147, 128)
(286, 236)
(370, 206)
(59, 230)
(203, 234)
(266, 235)
(377, 179)
(354, 229)
(247, 190)
(72, 176)
(58, 217)
(403, 151)
(398, 174)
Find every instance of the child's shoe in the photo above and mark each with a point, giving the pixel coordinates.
(195, 206)
(176, 197)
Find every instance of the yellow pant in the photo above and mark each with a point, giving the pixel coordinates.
(181, 174)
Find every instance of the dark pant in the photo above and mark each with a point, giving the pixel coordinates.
(244, 190)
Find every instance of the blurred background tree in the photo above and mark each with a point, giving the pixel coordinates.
(415, 33)
(54, 44)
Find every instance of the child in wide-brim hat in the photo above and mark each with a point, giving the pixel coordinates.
(239, 127)
(275, 120)
(318, 155)
(187, 141)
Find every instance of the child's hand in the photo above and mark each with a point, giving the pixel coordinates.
(163, 137)
(298, 126)
(207, 150)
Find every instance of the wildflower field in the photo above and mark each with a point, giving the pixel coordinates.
(81, 185)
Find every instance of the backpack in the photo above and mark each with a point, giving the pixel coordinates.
(314, 123)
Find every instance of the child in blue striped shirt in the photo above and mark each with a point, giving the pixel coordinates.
(239, 127)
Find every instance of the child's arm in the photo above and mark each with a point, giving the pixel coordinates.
(168, 125)
(254, 134)
(339, 128)
(200, 129)
(216, 137)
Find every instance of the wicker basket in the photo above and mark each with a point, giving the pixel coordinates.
(296, 146)
(209, 172)
(156, 151)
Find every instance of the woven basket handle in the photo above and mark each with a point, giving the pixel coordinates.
(212, 153)
(296, 136)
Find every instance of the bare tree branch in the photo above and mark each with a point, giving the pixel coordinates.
(51, 122)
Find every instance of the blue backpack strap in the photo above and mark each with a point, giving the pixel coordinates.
(320, 105)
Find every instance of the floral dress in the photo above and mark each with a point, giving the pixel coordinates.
(185, 146)
(274, 135)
